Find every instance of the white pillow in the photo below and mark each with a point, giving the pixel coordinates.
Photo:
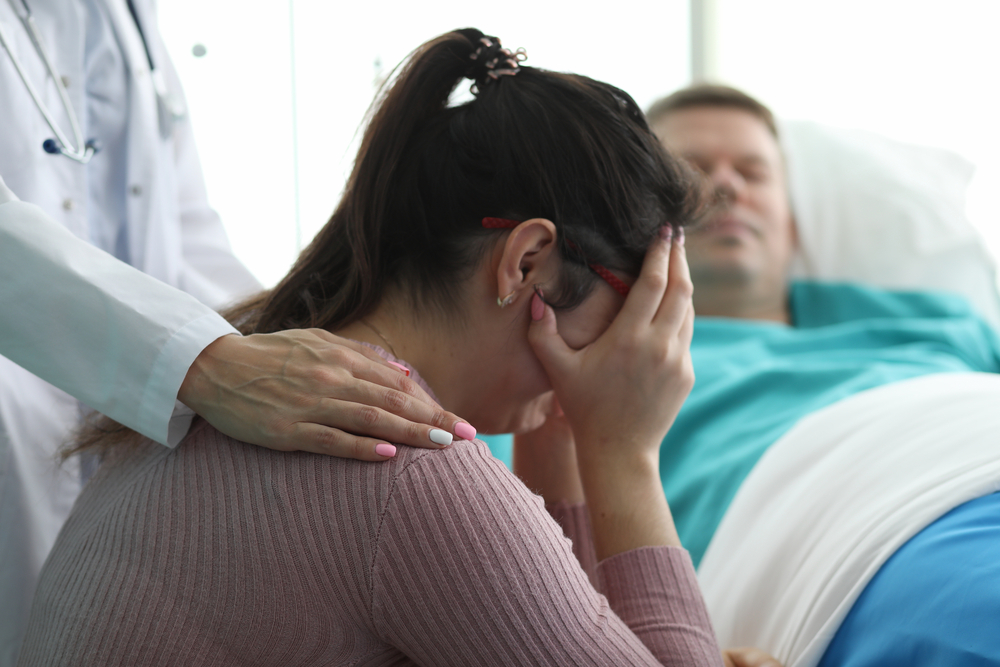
(877, 211)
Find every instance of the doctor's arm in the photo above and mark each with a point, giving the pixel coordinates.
(126, 345)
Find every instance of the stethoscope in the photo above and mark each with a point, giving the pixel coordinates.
(79, 150)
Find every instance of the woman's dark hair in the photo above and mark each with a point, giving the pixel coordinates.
(537, 144)
(534, 144)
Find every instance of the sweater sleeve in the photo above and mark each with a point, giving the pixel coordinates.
(468, 568)
(574, 519)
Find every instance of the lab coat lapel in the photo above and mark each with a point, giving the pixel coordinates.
(154, 234)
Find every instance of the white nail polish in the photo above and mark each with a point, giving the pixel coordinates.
(440, 437)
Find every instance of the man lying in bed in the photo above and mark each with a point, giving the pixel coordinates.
(768, 352)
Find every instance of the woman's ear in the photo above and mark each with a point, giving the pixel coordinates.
(529, 258)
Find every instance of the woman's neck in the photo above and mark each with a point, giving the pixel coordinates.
(426, 346)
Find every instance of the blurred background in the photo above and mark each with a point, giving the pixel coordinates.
(277, 93)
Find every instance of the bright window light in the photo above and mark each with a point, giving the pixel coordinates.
(921, 72)
(275, 182)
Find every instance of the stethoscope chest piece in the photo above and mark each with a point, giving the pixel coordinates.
(171, 107)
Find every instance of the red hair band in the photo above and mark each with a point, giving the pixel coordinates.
(616, 283)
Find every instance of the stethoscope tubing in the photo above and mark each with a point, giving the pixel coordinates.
(83, 151)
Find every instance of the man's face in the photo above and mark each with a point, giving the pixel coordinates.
(750, 240)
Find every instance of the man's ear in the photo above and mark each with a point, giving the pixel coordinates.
(529, 258)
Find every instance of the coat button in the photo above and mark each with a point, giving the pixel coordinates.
(136, 190)
(67, 204)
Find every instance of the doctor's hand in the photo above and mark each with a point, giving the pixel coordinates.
(313, 391)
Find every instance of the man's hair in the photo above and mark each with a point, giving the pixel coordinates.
(710, 95)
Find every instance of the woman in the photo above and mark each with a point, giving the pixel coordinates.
(462, 232)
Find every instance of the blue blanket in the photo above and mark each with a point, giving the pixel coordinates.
(935, 602)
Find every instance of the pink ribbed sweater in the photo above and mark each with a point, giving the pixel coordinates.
(222, 553)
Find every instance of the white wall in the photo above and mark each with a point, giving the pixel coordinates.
(241, 102)
(922, 71)
(918, 70)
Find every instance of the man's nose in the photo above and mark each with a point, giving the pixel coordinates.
(729, 183)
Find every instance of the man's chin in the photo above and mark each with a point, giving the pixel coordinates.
(721, 268)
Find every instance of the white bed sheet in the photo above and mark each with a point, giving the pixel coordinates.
(829, 502)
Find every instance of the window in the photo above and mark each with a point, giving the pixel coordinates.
(277, 149)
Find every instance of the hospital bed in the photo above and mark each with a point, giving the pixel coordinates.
(809, 534)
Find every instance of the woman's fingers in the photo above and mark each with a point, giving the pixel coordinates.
(687, 328)
(543, 335)
(749, 657)
(676, 301)
(646, 294)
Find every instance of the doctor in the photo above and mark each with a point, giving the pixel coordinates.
(108, 278)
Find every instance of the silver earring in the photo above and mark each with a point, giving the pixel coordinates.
(507, 300)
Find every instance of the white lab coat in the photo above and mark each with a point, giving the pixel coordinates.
(116, 339)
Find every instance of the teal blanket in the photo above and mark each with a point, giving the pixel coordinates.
(755, 380)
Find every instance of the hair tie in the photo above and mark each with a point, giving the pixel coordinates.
(491, 61)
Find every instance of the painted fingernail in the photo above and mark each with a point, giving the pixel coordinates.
(680, 236)
(465, 431)
(537, 307)
(440, 437)
(400, 367)
(667, 233)
(385, 449)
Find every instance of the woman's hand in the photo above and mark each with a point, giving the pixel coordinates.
(620, 395)
(622, 392)
(545, 459)
(313, 391)
(748, 657)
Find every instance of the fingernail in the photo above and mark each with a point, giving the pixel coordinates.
(400, 367)
(680, 236)
(440, 437)
(537, 307)
(385, 449)
(667, 233)
(465, 431)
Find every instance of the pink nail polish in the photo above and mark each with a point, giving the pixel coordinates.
(400, 367)
(667, 233)
(385, 449)
(537, 307)
(465, 431)
(680, 237)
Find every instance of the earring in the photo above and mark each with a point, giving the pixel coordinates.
(507, 300)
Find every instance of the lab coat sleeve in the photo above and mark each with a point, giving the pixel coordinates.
(100, 330)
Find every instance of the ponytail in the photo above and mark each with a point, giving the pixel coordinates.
(532, 143)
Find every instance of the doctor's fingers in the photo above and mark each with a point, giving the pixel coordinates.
(373, 410)
(319, 439)
(365, 383)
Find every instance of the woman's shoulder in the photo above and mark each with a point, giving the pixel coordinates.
(466, 462)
